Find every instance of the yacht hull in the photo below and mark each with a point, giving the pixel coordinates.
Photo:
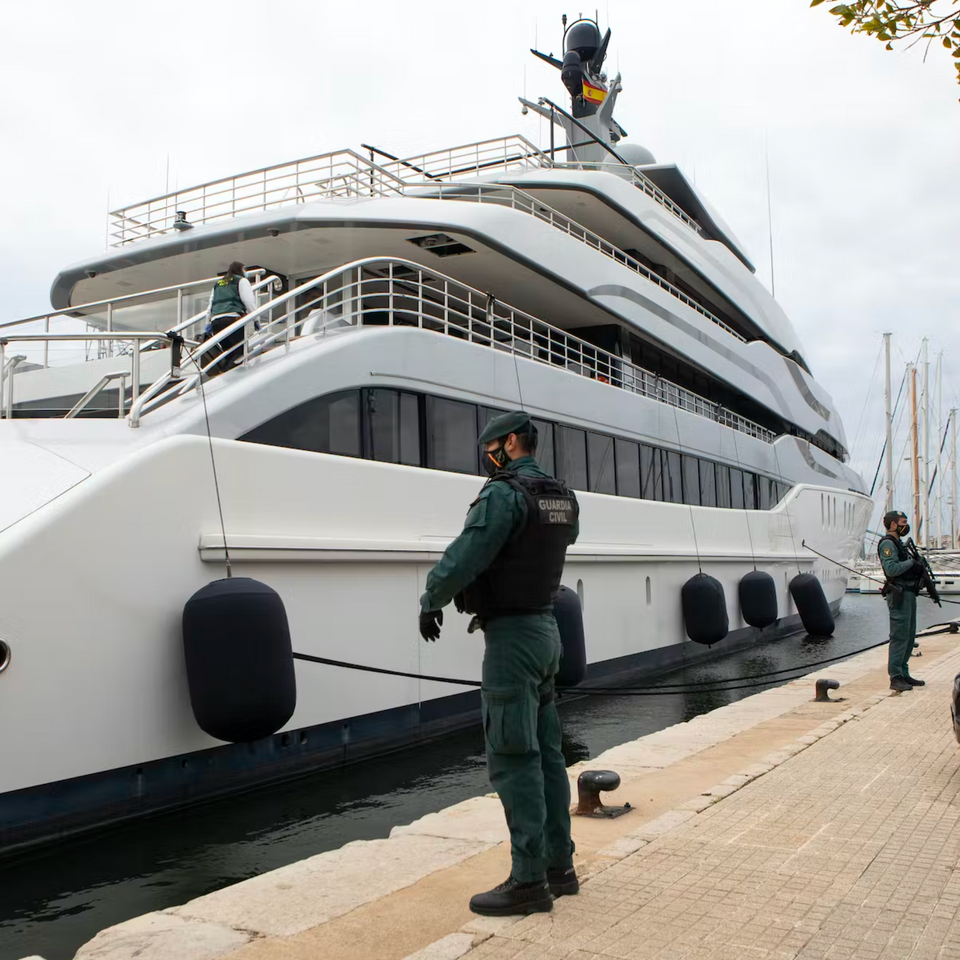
(93, 619)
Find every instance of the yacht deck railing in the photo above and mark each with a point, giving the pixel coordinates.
(394, 292)
(344, 174)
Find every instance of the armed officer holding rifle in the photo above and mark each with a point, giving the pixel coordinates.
(904, 582)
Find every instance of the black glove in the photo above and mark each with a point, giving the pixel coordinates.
(430, 623)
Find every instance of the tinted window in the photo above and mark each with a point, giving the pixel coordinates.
(628, 469)
(708, 484)
(651, 473)
(723, 485)
(452, 435)
(764, 489)
(736, 488)
(393, 426)
(410, 429)
(749, 490)
(672, 484)
(600, 462)
(782, 490)
(572, 457)
(691, 480)
(328, 424)
(545, 450)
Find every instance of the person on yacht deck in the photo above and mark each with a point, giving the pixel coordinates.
(231, 298)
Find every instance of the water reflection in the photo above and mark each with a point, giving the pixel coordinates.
(54, 901)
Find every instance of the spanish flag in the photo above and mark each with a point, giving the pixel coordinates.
(593, 93)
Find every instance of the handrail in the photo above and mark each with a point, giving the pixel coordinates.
(94, 390)
(131, 335)
(453, 308)
(348, 173)
(560, 220)
(68, 311)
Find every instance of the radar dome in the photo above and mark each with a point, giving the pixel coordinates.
(583, 37)
(634, 154)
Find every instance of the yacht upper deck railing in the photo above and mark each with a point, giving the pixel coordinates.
(169, 308)
(345, 174)
(517, 199)
(394, 292)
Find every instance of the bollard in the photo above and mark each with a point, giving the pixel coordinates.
(590, 783)
(823, 696)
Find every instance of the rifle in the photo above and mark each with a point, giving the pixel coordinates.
(927, 580)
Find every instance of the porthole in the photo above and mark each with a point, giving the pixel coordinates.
(580, 592)
(4, 655)
(649, 594)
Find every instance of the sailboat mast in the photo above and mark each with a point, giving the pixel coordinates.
(889, 423)
(913, 444)
(938, 499)
(925, 504)
(953, 478)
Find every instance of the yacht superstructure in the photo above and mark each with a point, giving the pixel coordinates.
(402, 303)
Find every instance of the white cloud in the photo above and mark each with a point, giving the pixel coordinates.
(863, 144)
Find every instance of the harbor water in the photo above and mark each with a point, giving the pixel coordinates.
(55, 899)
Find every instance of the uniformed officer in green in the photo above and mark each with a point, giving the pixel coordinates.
(901, 589)
(505, 568)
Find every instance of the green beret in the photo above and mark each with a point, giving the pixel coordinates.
(517, 421)
(888, 518)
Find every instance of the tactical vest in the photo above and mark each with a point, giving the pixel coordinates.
(226, 298)
(525, 576)
(909, 580)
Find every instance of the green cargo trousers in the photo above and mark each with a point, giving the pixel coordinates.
(521, 730)
(903, 630)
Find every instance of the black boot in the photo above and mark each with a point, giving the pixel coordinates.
(563, 881)
(512, 897)
(899, 685)
(914, 682)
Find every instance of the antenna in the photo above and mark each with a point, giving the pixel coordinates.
(766, 155)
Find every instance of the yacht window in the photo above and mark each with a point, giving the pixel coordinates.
(708, 484)
(628, 468)
(393, 426)
(452, 435)
(736, 489)
(691, 480)
(600, 459)
(749, 490)
(723, 485)
(763, 493)
(572, 457)
(651, 473)
(328, 424)
(782, 490)
(410, 429)
(545, 455)
(672, 484)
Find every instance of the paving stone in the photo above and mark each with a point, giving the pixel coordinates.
(305, 894)
(451, 947)
(479, 818)
(845, 850)
(161, 936)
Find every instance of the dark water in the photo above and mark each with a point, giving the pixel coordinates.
(54, 901)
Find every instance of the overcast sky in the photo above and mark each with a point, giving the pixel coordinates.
(864, 145)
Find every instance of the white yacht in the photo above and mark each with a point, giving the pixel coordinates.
(402, 302)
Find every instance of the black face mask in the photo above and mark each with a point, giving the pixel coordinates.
(904, 530)
(494, 460)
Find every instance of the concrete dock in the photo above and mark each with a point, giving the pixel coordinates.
(775, 828)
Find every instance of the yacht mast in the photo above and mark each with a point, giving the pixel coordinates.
(913, 444)
(953, 478)
(925, 529)
(889, 424)
(938, 500)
